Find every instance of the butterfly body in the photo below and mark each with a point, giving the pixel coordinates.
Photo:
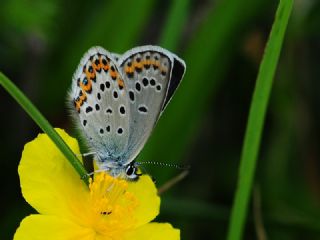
(117, 100)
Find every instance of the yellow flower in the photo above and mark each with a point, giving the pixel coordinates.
(109, 209)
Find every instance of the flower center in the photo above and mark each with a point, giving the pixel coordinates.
(111, 205)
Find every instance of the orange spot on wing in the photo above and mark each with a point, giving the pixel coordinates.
(91, 75)
(120, 83)
(137, 65)
(163, 70)
(86, 88)
(104, 66)
(113, 74)
(83, 97)
(77, 104)
(155, 63)
(96, 67)
(146, 62)
(129, 69)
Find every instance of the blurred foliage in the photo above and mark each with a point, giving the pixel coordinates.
(41, 43)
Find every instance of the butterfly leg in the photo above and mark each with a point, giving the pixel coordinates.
(85, 154)
(95, 171)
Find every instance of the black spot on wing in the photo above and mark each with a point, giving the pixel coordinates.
(145, 82)
(122, 110)
(109, 111)
(115, 94)
(143, 109)
(152, 82)
(131, 95)
(89, 109)
(138, 86)
(120, 130)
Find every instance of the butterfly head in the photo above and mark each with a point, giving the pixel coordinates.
(131, 172)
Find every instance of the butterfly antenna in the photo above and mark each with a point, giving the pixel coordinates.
(182, 167)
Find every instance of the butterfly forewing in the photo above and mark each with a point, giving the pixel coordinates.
(100, 101)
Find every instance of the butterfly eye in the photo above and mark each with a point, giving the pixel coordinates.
(130, 170)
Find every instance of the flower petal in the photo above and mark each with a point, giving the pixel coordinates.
(48, 181)
(39, 227)
(149, 202)
(154, 231)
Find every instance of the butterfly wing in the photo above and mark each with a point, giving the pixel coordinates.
(100, 105)
(151, 75)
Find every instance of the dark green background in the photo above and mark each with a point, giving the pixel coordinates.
(222, 42)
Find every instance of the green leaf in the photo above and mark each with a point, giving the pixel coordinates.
(256, 120)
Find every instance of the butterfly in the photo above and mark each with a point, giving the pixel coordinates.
(116, 101)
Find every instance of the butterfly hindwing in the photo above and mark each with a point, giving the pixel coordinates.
(148, 73)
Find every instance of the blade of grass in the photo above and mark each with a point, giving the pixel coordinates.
(174, 24)
(256, 119)
(34, 113)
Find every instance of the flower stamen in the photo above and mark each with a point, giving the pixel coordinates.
(111, 205)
